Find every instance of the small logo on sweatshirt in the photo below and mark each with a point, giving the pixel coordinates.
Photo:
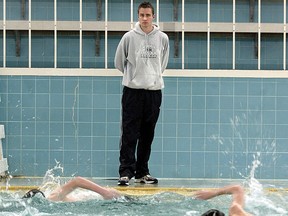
(148, 51)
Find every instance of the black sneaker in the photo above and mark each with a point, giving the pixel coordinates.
(147, 179)
(123, 181)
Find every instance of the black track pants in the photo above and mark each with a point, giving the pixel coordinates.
(140, 112)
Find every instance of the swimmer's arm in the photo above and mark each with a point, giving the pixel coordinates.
(235, 190)
(60, 194)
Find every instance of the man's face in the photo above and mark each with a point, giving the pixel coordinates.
(145, 17)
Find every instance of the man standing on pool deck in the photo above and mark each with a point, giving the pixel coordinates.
(142, 56)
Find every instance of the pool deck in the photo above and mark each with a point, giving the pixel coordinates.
(182, 186)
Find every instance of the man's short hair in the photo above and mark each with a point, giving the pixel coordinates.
(146, 5)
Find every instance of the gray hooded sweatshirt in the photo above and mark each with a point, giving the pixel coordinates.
(142, 58)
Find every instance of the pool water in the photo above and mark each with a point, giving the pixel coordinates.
(262, 199)
(164, 203)
(158, 204)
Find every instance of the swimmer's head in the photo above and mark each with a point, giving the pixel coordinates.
(32, 193)
(213, 212)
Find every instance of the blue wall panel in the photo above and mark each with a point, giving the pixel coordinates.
(208, 127)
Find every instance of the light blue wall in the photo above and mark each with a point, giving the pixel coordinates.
(209, 127)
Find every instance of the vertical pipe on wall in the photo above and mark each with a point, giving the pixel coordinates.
(234, 36)
(17, 43)
(29, 35)
(18, 32)
(251, 19)
(259, 34)
(183, 35)
(99, 10)
(97, 43)
(176, 44)
(284, 36)
(55, 33)
(106, 34)
(4, 33)
(157, 14)
(208, 34)
(131, 18)
(97, 39)
(23, 6)
(175, 10)
(251, 10)
(176, 34)
(80, 34)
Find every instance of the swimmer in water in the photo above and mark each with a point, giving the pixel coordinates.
(63, 193)
(237, 206)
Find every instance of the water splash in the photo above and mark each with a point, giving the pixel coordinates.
(12, 204)
(6, 177)
(52, 178)
(257, 201)
(255, 187)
